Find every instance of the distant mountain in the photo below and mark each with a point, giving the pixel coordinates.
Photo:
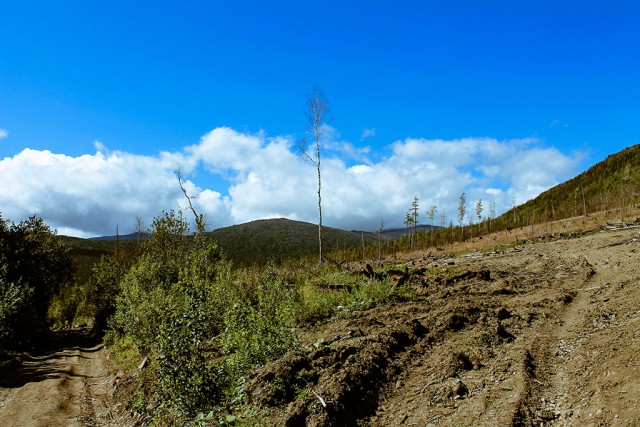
(89, 247)
(611, 184)
(123, 237)
(394, 233)
(257, 242)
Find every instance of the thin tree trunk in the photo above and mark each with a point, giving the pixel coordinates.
(319, 203)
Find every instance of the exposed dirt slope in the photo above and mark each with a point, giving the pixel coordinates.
(544, 333)
(69, 383)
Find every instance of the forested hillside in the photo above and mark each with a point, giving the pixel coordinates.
(612, 185)
(258, 242)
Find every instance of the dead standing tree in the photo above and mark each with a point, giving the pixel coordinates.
(199, 217)
(316, 111)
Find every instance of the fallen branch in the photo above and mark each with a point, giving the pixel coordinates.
(340, 264)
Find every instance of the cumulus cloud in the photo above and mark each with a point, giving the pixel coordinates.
(3, 133)
(265, 177)
(90, 194)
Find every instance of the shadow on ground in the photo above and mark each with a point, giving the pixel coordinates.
(43, 361)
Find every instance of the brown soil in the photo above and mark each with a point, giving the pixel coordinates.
(69, 382)
(542, 333)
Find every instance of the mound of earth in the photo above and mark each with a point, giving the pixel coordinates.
(539, 334)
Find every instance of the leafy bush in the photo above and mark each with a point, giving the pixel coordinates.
(180, 306)
(34, 266)
(171, 306)
(259, 327)
(14, 300)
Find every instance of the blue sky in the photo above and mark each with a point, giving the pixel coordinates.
(99, 101)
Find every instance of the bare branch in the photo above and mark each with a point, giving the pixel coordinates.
(302, 146)
(199, 218)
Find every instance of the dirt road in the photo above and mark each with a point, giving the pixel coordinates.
(544, 333)
(69, 383)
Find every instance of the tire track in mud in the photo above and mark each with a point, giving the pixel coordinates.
(579, 375)
(548, 354)
(551, 403)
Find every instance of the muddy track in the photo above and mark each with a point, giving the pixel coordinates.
(541, 334)
(69, 382)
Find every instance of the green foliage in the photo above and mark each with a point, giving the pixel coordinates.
(371, 293)
(327, 292)
(259, 327)
(168, 307)
(316, 303)
(123, 349)
(462, 208)
(104, 286)
(69, 306)
(279, 240)
(203, 326)
(34, 266)
(14, 300)
(180, 306)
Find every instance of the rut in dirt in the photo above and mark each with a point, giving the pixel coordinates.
(39, 363)
(65, 381)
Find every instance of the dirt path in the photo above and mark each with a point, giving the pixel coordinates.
(67, 384)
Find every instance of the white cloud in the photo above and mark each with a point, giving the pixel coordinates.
(367, 133)
(265, 177)
(3, 133)
(89, 194)
(331, 141)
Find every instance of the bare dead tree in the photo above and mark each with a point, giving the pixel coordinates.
(316, 111)
(380, 239)
(140, 228)
(431, 213)
(199, 217)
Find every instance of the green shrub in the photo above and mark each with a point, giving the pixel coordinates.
(14, 299)
(316, 303)
(203, 326)
(34, 266)
(259, 329)
(171, 305)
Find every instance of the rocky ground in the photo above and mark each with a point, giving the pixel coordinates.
(545, 332)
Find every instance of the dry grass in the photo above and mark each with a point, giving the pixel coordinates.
(518, 235)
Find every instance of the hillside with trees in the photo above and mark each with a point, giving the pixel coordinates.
(277, 240)
(612, 186)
